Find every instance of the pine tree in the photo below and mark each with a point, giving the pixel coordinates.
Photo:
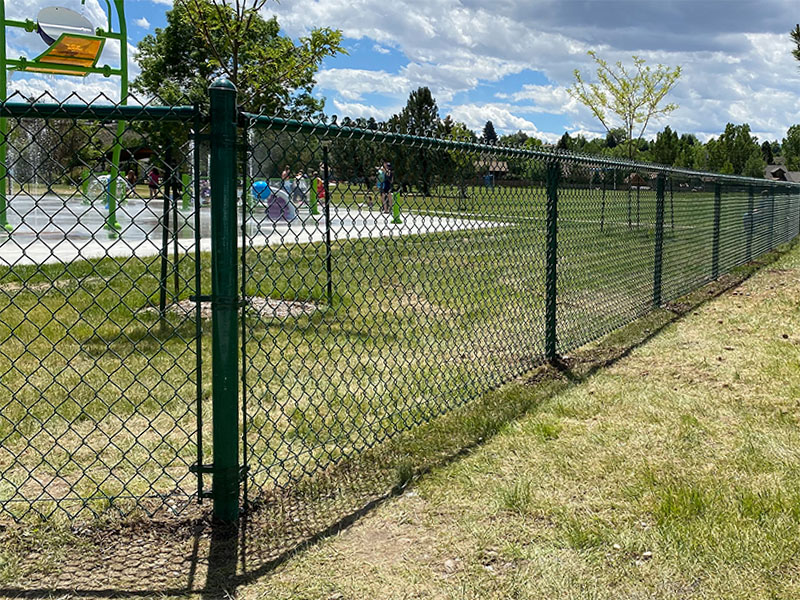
(489, 134)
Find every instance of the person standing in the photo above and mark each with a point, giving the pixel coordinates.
(130, 179)
(386, 189)
(285, 184)
(153, 181)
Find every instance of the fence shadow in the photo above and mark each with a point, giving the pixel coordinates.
(156, 558)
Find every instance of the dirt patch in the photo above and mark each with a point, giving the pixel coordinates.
(262, 308)
(19, 286)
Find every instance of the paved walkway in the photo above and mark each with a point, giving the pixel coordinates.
(52, 230)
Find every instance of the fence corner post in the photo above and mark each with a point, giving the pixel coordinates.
(224, 302)
(716, 234)
(658, 260)
(551, 272)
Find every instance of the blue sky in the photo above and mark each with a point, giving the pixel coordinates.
(511, 60)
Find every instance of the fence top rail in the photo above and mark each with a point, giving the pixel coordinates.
(100, 112)
(334, 130)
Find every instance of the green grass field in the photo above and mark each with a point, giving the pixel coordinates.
(101, 394)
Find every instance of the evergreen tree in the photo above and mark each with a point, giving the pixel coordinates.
(565, 142)
(666, 148)
(418, 166)
(766, 153)
(489, 134)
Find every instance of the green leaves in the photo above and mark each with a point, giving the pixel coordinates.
(206, 39)
(625, 96)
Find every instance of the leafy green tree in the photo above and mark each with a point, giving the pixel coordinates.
(795, 35)
(666, 148)
(514, 139)
(628, 97)
(790, 146)
(206, 39)
(755, 165)
(737, 145)
(489, 134)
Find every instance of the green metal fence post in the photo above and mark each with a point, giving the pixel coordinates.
(659, 245)
(186, 193)
(224, 302)
(716, 236)
(551, 275)
(750, 209)
(771, 214)
(328, 257)
(603, 205)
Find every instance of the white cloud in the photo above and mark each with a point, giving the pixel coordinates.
(736, 56)
(475, 116)
(143, 23)
(380, 49)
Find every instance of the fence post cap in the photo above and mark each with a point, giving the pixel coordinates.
(223, 83)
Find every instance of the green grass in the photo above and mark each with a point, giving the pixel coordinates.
(669, 474)
(101, 396)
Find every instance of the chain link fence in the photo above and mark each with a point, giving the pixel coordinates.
(313, 289)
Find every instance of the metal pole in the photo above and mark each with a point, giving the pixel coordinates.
(659, 246)
(750, 208)
(550, 339)
(771, 214)
(328, 260)
(3, 122)
(198, 290)
(715, 239)
(603, 205)
(224, 302)
(112, 224)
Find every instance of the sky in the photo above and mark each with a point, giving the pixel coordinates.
(511, 61)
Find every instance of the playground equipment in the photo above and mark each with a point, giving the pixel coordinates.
(279, 204)
(74, 48)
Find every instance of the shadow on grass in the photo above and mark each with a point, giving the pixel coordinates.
(156, 558)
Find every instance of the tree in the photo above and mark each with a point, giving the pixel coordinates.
(755, 165)
(795, 35)
(489, 134)
(766, 153)
(514, 139)
(206, 39)
(464, 162)
(565, 142)
(737, 145)
(631, 98)
(666, 148)
(790, 147)
(420, 116)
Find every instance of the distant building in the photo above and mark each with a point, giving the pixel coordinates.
(781, 173)
(490, 166)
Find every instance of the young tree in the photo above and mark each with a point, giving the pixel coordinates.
(489, 134)
(628, 97)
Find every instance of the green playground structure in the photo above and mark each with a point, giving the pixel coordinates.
(74, 49)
